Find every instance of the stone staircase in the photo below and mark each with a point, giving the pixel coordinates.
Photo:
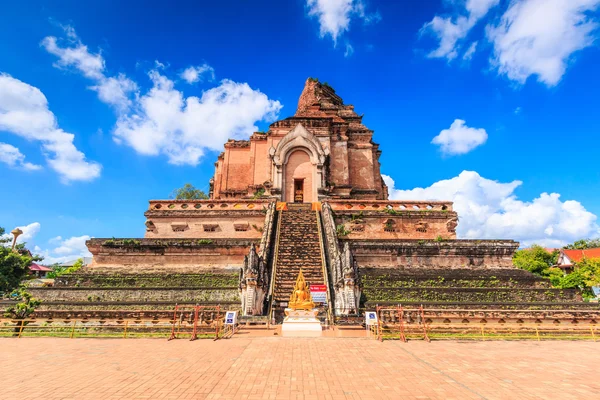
(298, 247)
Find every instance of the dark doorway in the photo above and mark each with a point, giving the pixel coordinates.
(298, 190)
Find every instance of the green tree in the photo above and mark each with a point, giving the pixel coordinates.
(25, 307)
(57, 270)
(586, 273)
(14, 265)
(536, 260)
(583, 244)
(188, 192)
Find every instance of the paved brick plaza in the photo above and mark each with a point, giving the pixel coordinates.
(286, 368)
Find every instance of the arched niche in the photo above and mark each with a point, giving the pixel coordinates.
(298, 140)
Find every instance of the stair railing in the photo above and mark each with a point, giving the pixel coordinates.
(325, 271)
(275, 255)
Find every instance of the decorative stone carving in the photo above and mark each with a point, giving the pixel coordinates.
(342, 268)
(251, 284)
(421, 226)
(150, 227)
(179, 226)
(254, 276)
(268, 185)
(452, 224)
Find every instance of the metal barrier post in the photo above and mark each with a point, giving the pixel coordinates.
(174, 322)
(422, 314)
(194, 333)
(379, 334)
(21, 328)
(218, 322)
(125, 331)
(401, 320)
(537, 333)
(73, 330)
(592, 330)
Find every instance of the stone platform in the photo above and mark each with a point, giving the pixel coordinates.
(301, 323)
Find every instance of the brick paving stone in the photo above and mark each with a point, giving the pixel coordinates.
(288, 368)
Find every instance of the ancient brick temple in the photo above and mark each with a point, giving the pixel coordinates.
(307, 194)
(323, 152)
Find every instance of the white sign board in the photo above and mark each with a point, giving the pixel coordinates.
(231, 318)
(370, 318)
(318, 293)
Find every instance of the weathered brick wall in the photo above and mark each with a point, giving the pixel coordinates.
(174, 295)
(308, 97)
(339, 173)
(212, 279)
(167, 255)
(194, 227)
(390, 220)
(353, 156)
(239, 172)
(260, 162)
(410, 225)
(89, 289)
(205, 219)
(360, 160)
(460, 286)
(431, 254)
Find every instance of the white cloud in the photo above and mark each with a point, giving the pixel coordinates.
(12, 156)
(459, 138)
(349, 50)
(115, 91)
(539, 37)
(453, 29)
(489, 209)
(73, 245)
(56, 239)
(518, 110)
(64, 249)
(470, 51)
(195, 74)
(74, 54)
(165, 122)
(77, 56)
(24, 112)
(335, 15)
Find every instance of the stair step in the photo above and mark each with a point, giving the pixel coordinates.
(299, 247)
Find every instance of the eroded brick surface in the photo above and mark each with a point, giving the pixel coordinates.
(287, 368)
(349, 167)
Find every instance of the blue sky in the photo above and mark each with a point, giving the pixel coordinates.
(490, 103)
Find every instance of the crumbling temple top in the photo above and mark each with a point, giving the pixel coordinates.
(322, 152)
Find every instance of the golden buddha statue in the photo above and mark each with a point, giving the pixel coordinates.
(301, 298)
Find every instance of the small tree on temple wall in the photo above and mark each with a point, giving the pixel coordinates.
(188, 192)
(14, 265)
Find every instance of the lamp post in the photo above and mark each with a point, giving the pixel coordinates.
(16, 233)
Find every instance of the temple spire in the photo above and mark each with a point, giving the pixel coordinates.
(317, 96)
